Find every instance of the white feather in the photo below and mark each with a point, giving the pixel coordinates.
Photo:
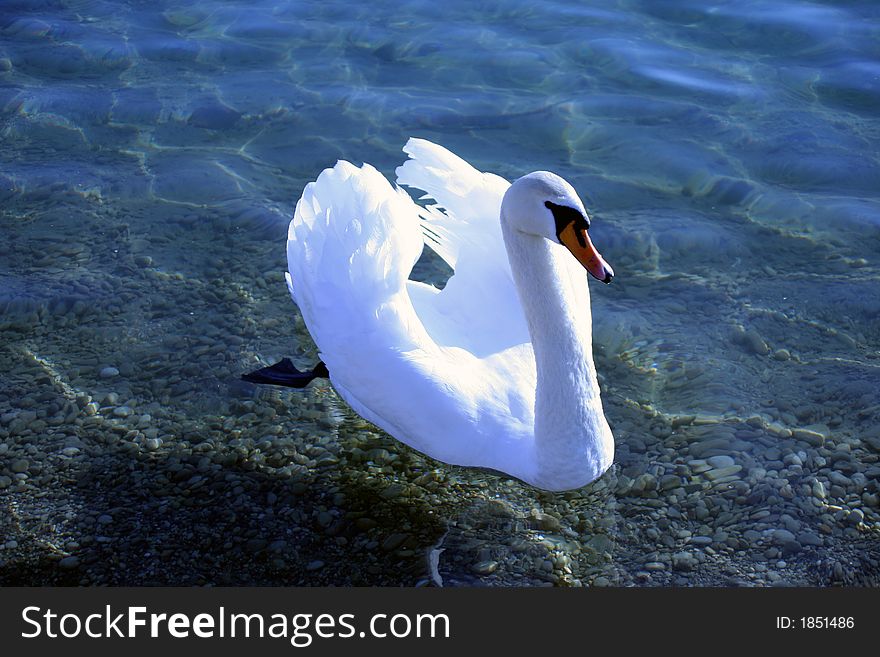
(451, 373)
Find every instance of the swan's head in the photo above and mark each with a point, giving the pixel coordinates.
(543, 204)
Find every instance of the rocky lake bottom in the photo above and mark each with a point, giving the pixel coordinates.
(131, 454)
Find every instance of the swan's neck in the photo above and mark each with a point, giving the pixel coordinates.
(573, 443)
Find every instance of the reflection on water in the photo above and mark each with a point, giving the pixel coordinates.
(153, 152)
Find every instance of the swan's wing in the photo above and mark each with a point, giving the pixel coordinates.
(479, 308)
(464, 220)
(351, 246)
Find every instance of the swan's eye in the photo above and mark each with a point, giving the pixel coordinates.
(565, 216)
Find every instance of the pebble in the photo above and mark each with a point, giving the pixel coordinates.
(809, 538)
(380, 456)
(782, 354)
(500, 509)
(682, 420)
(69, 563)
(109, 372)
(856, 516)
(683, 561)
(753, 342)
(317, 564)
(668, 482)
(19, 466)
(778, 430)
(394, 490)
(601, 543)
(365, 524)
(791, 524)
(811, 437)
(721, 461)
(546, 522)
(485, 567)
(706, 447)
(718, 473)
(782, 536)
(698, 466)
(122, 411)
(105, 519)
(644, 482)
(5, 482)
(394, 541)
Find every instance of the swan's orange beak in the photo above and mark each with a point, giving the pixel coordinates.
(577, 240)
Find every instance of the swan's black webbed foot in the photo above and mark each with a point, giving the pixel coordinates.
(284, 373)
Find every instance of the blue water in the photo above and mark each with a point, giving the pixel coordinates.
(152, 153)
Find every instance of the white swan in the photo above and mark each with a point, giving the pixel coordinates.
(495, 370)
